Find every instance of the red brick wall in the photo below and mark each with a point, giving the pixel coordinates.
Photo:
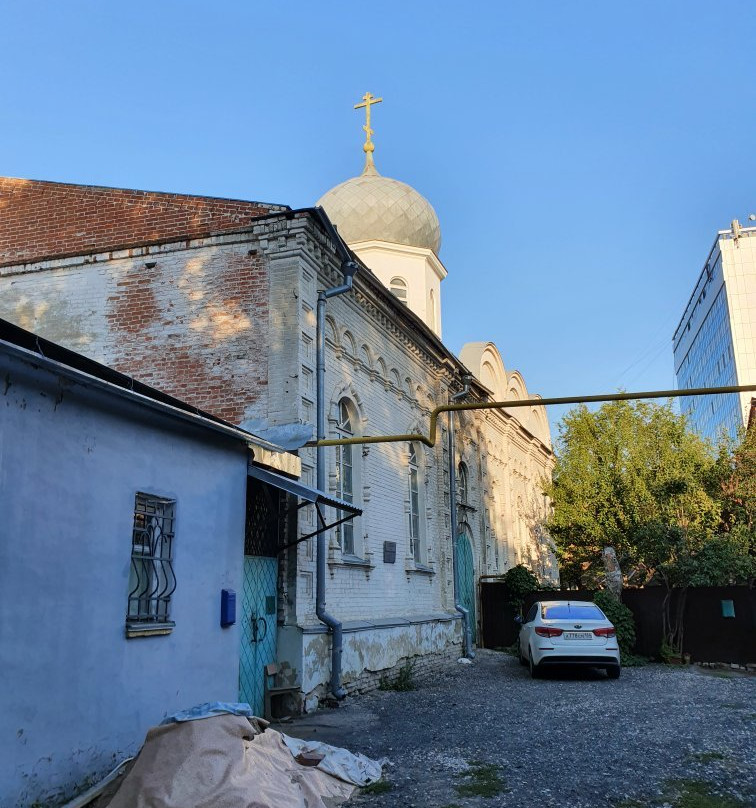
(195, 323)
(195, 326)
(49, 219)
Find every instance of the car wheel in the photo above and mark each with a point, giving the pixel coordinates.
(535, 670)
(613, 672)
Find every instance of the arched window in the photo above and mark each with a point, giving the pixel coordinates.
(413, 474)
(491, 537)
(398, 288)
(433, 318)
(345, 474)
(462, 489)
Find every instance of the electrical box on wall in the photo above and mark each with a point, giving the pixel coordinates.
(228, 607)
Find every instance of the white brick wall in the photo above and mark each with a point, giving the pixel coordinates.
(505, 463)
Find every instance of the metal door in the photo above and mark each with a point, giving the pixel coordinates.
(259, 603)
(466, 578)
(258, 628)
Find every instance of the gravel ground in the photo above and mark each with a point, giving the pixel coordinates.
(486, 734)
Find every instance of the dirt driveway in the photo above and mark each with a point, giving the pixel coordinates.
(486, 734)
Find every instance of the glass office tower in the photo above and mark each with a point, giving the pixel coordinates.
(715, 342)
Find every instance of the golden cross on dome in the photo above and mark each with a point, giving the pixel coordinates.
(368, 147)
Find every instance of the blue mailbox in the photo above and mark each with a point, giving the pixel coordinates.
(228, 607)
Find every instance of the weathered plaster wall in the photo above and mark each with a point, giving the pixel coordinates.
(376, 649)
(77, 694)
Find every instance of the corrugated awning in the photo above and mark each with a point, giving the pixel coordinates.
(306, 496)
(309, 495)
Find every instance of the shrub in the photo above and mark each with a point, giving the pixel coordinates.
(520, 582)
(623, 621)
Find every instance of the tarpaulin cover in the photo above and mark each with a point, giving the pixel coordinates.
(225, 761)
(209, 708)
(349, 766)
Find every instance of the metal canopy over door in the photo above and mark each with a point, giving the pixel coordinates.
(272, 504)
(466, 577)
(259, 604)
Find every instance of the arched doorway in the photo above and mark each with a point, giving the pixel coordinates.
(466, 575)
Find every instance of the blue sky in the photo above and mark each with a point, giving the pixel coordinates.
(581, 155)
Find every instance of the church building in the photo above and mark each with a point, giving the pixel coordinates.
(214, 301)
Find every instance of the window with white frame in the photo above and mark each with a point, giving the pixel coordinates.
(415, 522)
(398, 288)
(151, 579)
(462, 484)
(345, 474)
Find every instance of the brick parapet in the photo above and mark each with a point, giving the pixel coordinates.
(47, 219)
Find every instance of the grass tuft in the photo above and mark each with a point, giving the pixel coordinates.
(707, 757)
(405, 679)
(482, 780)
(629, 660)
(378, 787)
(699, 794)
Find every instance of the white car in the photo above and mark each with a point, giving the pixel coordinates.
(563, 632)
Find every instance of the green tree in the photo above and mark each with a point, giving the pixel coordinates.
(632, 476)
(619, 468)
(735, 482)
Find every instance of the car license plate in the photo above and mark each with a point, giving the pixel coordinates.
(577, 635)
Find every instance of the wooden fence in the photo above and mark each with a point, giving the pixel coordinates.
(719, 622)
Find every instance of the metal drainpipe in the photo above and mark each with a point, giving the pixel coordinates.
(348, 266)
(467, 632)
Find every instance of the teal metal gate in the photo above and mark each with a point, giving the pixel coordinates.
(466, 578)
(259, 604)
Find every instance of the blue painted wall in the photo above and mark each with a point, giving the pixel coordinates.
(77, 696)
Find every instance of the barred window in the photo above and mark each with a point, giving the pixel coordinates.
(151, 581)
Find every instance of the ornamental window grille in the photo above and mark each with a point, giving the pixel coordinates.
(345, 475)
(265, 520)
(413, 473)
(398, 288)
(151, 581)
